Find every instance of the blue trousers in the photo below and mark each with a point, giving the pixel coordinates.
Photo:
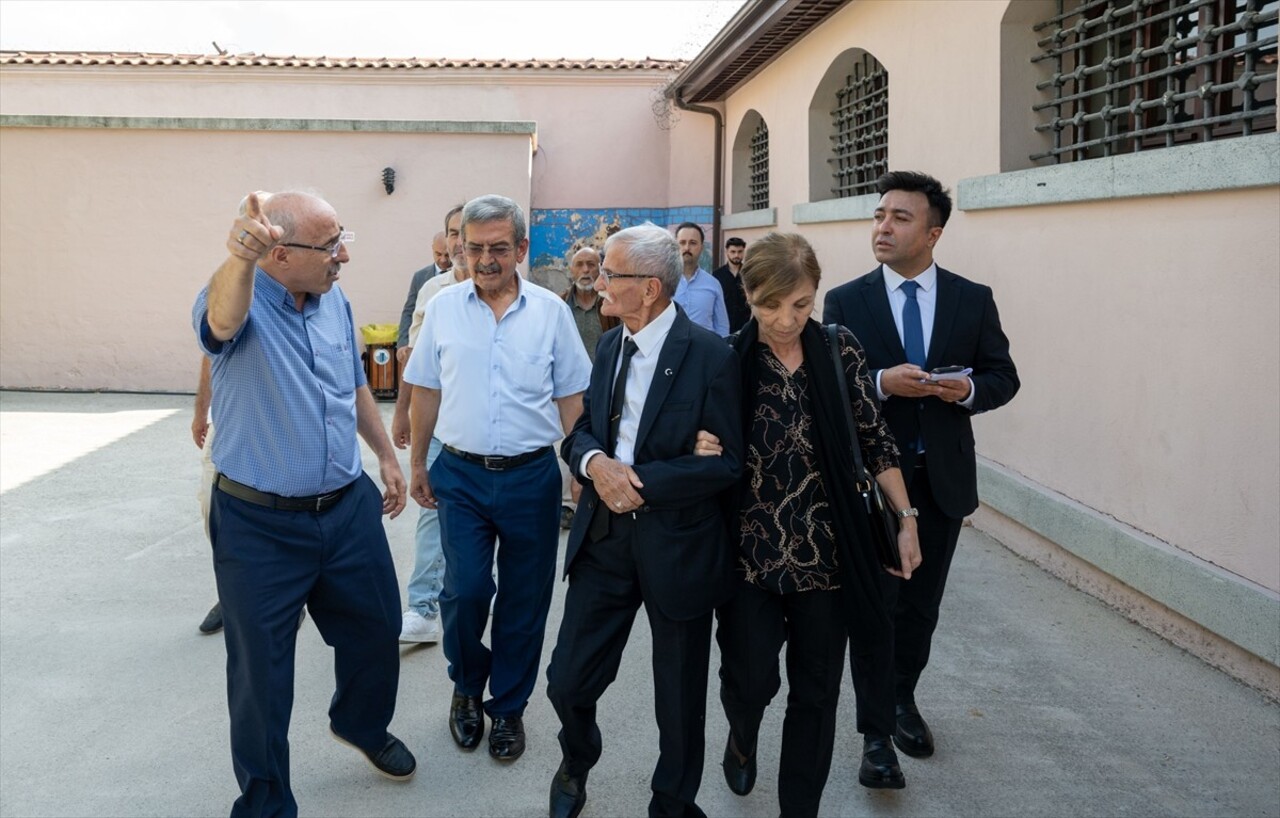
(520, 507)
(270, 563)
(428, 562)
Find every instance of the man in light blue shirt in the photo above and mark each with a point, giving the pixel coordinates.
(294, 519)
(699, 294)
(498, 373)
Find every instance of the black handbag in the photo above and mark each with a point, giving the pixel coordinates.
(881, 519)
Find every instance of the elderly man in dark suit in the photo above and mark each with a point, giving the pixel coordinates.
(649, 529)
(915, 318)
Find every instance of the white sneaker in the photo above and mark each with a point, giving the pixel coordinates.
(420, 629)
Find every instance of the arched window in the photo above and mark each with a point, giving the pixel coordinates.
(849, 127)
(751, 164)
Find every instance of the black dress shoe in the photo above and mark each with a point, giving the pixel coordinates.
(880, 770)
(568, 795)
(506, 739)
(740, 776)
(213, 620)
(393, 761)
(466, 721)
(912, 736)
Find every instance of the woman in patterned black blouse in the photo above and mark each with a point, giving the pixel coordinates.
(809, 576)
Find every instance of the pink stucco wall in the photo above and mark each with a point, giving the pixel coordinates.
(1146, 330)
(107, 234)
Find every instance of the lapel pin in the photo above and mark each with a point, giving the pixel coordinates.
(668, 372)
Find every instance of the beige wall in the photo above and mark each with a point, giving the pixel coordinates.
(1146, 330)
(107, 234)
(117, 230)
(598, 141)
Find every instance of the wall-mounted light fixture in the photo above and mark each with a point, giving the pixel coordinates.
(389, 179)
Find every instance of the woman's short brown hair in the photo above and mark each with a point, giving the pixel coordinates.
(776, 264)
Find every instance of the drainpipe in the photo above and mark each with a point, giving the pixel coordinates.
(718, 173)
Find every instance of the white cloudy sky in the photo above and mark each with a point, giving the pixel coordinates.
(488, 29)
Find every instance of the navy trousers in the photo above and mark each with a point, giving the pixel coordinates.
(521, 509)
(268, 564)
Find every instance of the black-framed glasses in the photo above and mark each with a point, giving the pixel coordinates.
(344, 238)
(608, 276)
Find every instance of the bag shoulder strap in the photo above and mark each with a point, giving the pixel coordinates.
(859, 470)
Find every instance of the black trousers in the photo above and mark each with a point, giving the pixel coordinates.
(600, 607)
(752, 627)
(915, 603)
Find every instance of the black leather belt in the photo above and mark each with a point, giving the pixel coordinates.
(316, 502)
(494, 462)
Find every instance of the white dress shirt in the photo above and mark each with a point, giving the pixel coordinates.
(644, 365)
(927, 298)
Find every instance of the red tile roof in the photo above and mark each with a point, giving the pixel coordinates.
(103, 58)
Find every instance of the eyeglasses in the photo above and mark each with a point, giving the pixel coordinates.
(344, 238)
(608, 276)
(497, 251)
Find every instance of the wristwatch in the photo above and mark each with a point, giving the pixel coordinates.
(907, 512)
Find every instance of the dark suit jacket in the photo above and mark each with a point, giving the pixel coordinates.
(683, 558)
(406, 313)
(966, 332)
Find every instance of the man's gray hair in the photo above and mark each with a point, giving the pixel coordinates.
(494, 208)
(651, 251)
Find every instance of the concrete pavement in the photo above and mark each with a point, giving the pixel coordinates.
(1043, 701)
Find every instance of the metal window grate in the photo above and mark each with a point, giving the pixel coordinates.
(860, 144)
(758, 169)
(1131, 75)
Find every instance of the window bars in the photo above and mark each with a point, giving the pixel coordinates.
(758, 169)
(860, 141)
(1131, 75)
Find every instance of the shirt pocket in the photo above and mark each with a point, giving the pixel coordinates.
(335, 367)
(531, 373)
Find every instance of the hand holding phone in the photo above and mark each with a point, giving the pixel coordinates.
(949, 373)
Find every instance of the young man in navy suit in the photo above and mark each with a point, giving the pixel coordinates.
(913, 317)
(649, 529)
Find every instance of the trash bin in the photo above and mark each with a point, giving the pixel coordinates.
(381, 368)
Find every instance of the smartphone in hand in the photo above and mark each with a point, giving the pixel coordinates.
(949, 373)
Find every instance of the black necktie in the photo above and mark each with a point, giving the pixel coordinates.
(599, 528)
(620, 393)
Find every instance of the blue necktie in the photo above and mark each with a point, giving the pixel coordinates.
(912, 328)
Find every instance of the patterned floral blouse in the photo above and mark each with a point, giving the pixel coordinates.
(787, 530)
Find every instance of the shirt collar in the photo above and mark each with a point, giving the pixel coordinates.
(276, 292)
(926, 280)
(472, 295)
(654, 333)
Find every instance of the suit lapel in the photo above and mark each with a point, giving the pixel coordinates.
(603, 398)
(877, 302)
(669, 361)
(944, 318)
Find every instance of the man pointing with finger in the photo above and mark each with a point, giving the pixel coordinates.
(294, 519)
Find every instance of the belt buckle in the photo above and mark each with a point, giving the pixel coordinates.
(496, 465)
(320, 503)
